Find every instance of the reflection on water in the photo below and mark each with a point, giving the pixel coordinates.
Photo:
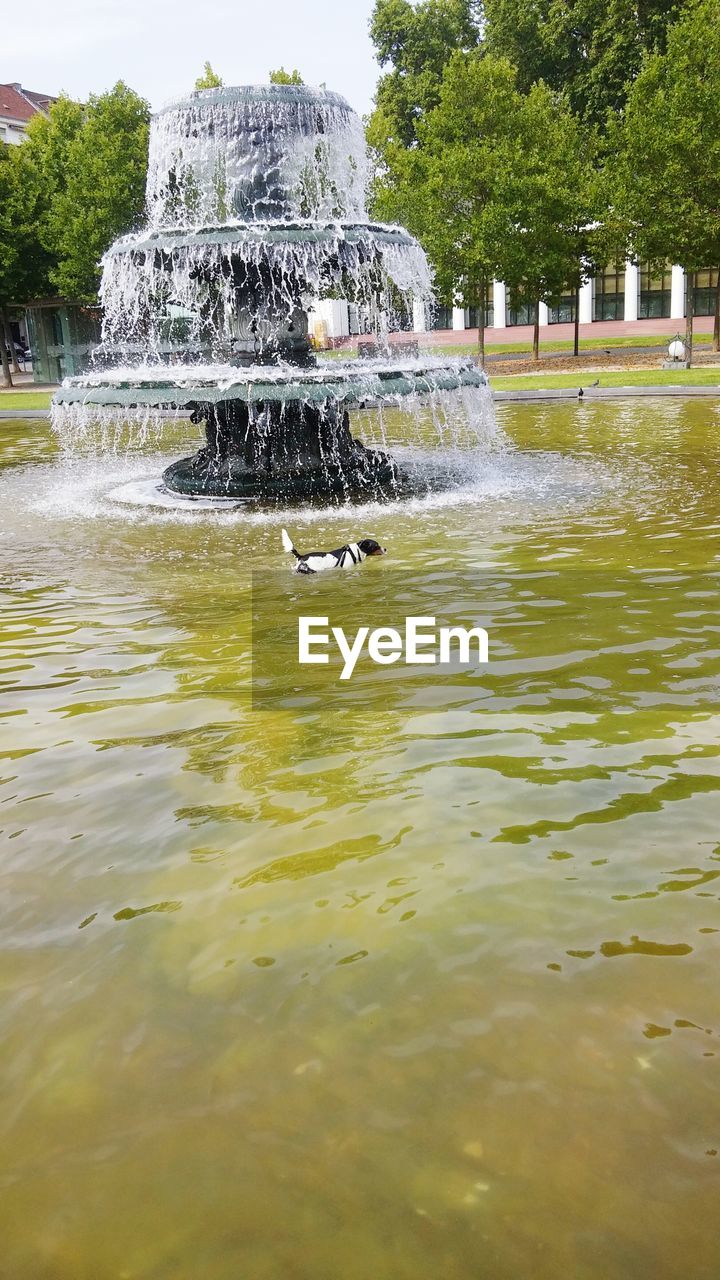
(420, 986)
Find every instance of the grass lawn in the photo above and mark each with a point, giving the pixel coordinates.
(520, 348)
(586, 344)
(25, 399)
(620, 378)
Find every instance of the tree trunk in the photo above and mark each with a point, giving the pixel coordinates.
(7, 375)
(576, 335)
(11, 344)
(716, 326)
(689, 315)
(481, 327)
(536, 333)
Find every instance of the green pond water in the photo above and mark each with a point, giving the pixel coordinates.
(417, 981)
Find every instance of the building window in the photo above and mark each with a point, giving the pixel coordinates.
(705, 291)
(441, 318)
(655, 290)
(609, 301)
(563, 312)
(473, 312)
(56, 328)
(519, 310)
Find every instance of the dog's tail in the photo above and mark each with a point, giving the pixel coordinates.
(288, 544)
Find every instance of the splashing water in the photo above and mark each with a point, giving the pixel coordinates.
(256, 207)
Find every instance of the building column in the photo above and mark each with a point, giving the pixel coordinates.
(677, 294)
(337, 318)
(632, 276)
(499, 304)
(586, 303)
(458, 318)
(419, 316)
(543, 317)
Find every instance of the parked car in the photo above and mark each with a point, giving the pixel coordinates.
(22, 354)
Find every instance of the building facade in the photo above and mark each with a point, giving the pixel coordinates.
(17, 108)
(61, 336)
(631, 293)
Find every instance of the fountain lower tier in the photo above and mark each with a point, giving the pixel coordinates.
(274, 432)
(354, 382)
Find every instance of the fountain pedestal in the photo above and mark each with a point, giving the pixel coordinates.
(289, 450)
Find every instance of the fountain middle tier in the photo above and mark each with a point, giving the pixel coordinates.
(210, 274)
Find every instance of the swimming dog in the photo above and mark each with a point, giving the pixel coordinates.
(343, 558)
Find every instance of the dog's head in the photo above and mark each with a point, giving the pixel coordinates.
(370, 547)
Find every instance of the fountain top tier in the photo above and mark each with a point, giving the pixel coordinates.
(256, 208)
(256, 153)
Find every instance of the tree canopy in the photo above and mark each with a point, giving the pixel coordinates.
(91, 163)
(25, 263)
(281, 76)
(415, 42)
(8, 251)
(590, 49)
(72, 187)
(488, 191)
(664, 170)
(209, 79)
(495, 186)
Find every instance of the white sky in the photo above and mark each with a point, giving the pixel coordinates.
(158, 47)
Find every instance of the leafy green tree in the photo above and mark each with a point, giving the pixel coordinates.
(556, 197)
(281, 76)
(665, 171)
(209, 79)
(415, 41)
(8, 254)
(74, 185)
(24, 262)
(494, 187)
(94, 165)
(39, 173)
(590, 49)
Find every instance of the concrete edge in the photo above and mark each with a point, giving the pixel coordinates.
(24, 413)
(525, 394)
(604, 393)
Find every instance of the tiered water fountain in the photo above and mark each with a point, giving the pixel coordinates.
(256, 209)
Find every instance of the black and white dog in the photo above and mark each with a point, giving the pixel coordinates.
(344, 558)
